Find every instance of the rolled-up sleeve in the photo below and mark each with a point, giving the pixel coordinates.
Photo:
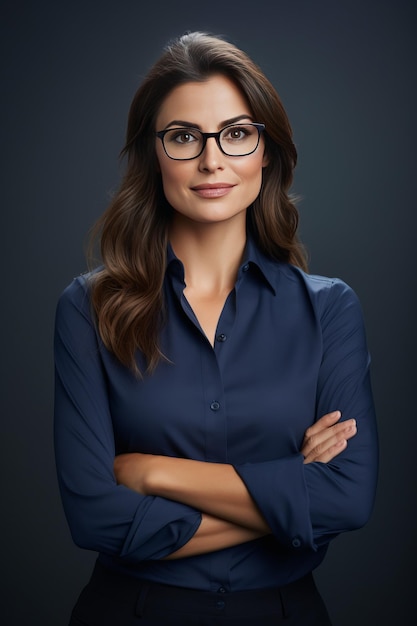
(102, 515)
(306, 505)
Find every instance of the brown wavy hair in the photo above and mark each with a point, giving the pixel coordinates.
(127, 291)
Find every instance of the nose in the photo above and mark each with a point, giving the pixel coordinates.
(212, 157)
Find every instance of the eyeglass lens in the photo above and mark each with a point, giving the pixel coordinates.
(235, 140)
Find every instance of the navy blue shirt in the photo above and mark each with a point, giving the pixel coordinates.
(289, 348)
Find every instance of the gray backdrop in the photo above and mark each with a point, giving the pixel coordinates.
(345, 71)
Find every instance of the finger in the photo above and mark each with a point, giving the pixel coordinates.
(351, 429)
(329, 454)
(324, 422)
(338, 431)
(320, 443)
(328, 448)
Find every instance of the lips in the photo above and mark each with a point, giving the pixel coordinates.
(213, 190)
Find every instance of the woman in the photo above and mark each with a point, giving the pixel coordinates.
(214, 423)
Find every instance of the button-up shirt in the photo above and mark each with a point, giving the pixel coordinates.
(289, 347)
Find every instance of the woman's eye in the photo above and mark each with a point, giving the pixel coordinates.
(237, 133)
(184, 137)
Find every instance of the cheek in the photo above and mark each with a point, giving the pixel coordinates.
(169, 173)
(251, 172)
(252, 176)
(174, 181)
(251, 166)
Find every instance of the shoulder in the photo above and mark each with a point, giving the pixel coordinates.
(325, 294)
(76, 295)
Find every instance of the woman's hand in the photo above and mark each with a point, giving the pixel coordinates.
(327, 438)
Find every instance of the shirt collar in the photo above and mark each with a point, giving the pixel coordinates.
(265, 267)
(254, 260)
(174, 265)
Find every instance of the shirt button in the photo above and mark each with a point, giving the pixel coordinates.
(245, 267)
(296, 543)
(220, 604)
(215, 406)
(221, 590)
(221, 337)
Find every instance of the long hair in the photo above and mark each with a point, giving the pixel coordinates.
(127, 293)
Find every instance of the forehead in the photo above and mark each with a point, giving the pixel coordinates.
(204, 103)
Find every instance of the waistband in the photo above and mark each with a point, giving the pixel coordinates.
(153, 598)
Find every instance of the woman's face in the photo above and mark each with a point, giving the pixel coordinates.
(213, 187)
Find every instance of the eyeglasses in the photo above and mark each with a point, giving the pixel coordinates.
(183, 144)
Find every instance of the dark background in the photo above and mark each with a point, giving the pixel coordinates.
(346, 74)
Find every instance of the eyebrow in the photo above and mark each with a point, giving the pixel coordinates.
(185, 124)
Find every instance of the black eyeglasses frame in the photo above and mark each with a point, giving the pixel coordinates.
(161, 134)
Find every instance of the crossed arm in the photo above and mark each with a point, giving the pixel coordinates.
(229, 514)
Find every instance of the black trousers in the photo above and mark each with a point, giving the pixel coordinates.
(112, 599)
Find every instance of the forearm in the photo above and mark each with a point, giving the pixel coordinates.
(216, 488)
(215, 534)
(213, 488)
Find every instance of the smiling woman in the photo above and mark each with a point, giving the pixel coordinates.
(208, 187)
(204, 184)
(214, 422)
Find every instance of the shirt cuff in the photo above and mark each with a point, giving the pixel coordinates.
(163, 529)
(279, 489)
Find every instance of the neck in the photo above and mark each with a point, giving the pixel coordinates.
(211, 253)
